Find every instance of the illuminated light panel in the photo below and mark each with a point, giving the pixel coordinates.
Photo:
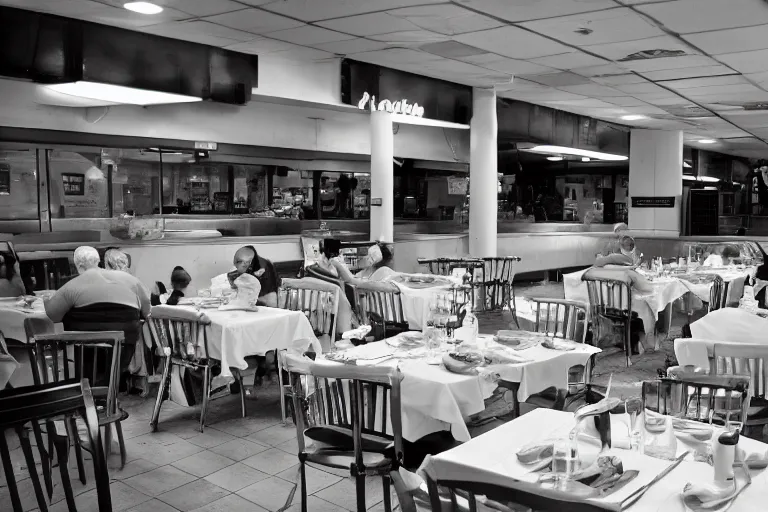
(143, 7)
(120, 94)
(634, 117)
(560, 150)
(706, 141)
(554, 158)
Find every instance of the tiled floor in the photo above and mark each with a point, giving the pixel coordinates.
(250, 464)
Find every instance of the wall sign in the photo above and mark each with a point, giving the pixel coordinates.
(375, 201)
(653, 202)
(398, 107)
(208, 146)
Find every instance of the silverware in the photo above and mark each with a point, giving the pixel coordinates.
(632, 498)
(624, 479)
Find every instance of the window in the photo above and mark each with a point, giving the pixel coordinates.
(5, 180)
(18, 173)
(73, 184)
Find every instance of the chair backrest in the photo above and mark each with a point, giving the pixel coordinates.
(8, 247)
(365, 399)
(55, 366)
(382, 299)
(742, 359)
(500, 270)
(697, 397)
(718, 294)
(180, 332)
(28, 406)
(319, 301)
(608, 294)
(561, 318)
(445, 266)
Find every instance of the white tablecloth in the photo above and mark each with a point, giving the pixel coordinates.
(435, 399)
(723, 325)
(416, 300)
(491, 458)
(233, 335)
(12, 318)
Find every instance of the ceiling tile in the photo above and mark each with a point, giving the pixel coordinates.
(255, 21)
(513, 42)
(309, 35)
(641, 88)
(548, 94)
(746, 62)
(351, 46)
(261, 45)
(563, 79)
(621, 50)
(454, 50)
(589, 102)
(709, 81)
(369, 24)
(758, 78)
(316, 10)
(302, 53)
(686, 16)
(569, 60)
(522, 10)
(687, 72)
(593, 90)
(605, 70)
(200, 32)
(744, 89)
(201, 7)
(516, 67)
(97, 12)
(731, 41)
(521, 85)
(682, 62)
(445, 19)
(623, 79)
(608, 26)
(392, 56)
(408, 37)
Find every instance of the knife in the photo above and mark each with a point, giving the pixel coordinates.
(632, 498)
(621, 480)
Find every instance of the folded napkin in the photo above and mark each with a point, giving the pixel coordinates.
(248, 289)
(755, 457)
(356, 334)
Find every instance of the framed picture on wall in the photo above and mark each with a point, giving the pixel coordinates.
(5, 180)
(74, 184)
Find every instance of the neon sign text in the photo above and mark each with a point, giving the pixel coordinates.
(398, 107)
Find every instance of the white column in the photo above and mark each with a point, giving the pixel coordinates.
(655, 170)
(483, 181)
(382, 177)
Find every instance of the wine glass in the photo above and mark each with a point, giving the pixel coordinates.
(565, 461)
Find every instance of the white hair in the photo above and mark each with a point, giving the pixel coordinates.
(620, 226)
(86, 257)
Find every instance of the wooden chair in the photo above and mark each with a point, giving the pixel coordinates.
(446, 266)
(750, 360)
(354, 412)
(320, 304)
(53, 352)
(698, 397)
(182, 336)
(567, 320)
(718, 294)
(496, 284)
(610, 300)
(380, 306)
(47, 403)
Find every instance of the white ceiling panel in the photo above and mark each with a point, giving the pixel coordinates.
(201, 7)
(570, 60)
(97, 12)
(688, 72)
(369, 24)
(748, 118)
(641, 88)
(623, 79)
(593, 90)
(605, 70)
(308, 35)
(393, 56)
(522, 10)
(562, 79)
(746, 62)
(626, 101)
(621, 50)
(687, 16)
(513, 42)
(261, 45)
(445, 19)
(608, 26)
(409, 37)
(316, 10)
(549, 94)
(516, 67)
(200, 32)
(712, 81)
(585, 103)
(351, 46)
(685, 61)
(254, 21)
(732, 40)
(302, 53)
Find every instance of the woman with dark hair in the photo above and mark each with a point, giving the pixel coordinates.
(11, 284)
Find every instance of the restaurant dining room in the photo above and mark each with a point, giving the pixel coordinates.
(417, 256)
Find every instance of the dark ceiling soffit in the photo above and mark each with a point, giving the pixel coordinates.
(524, 122)
(50, 49)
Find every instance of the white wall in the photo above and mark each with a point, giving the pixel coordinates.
(255, 124)
(318, 82)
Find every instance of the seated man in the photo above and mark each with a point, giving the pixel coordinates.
(11, 284)
(101, 300)
(248, 261)
(625, 256)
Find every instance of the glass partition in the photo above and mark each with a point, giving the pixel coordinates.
(18, 184)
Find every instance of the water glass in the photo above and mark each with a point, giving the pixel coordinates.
(659, 439)
(565, 460)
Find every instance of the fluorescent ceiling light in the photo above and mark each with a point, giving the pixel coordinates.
(706, 141)
(554, 158)
(634, 117)
(710, 179)
(143, 7)
(585, 159)
(560, 150)
(120, 94)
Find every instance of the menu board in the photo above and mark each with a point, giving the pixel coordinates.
(457, 186)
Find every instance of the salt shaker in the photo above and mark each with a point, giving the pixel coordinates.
(723, 457)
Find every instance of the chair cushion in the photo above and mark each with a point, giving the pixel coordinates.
(342, 459)
(341, 438)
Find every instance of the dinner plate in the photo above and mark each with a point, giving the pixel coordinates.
(406, 340)
(561, 345)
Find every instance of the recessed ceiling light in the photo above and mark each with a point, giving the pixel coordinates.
(143, 7)
(120, 94)
(554, 158)
(706, 141)
(585, 159)
(560, 150)
(634, 117)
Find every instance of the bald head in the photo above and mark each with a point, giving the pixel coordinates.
(243, 258)
(86, 258)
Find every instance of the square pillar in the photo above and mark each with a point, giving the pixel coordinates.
(382, 177)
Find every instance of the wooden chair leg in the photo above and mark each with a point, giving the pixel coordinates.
(242, 393)
(387, 494)
(360, 491)
(26, 448)
(282, 389)
(62, 451)
(107, 440)
(46, 456)
(206, 395)
(71, 425)
(164, 381)
(303, 478)
(9, 476)
(121, 442)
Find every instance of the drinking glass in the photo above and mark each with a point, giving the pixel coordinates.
(565, 460)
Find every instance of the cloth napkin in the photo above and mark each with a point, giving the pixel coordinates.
(248, 288)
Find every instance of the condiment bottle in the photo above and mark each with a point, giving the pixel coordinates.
(723, 457)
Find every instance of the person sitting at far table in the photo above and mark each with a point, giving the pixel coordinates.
(248, 261)
(11, 284)
(625, 256)
(101, 300)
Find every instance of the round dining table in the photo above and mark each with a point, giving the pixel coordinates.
(418, 292)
